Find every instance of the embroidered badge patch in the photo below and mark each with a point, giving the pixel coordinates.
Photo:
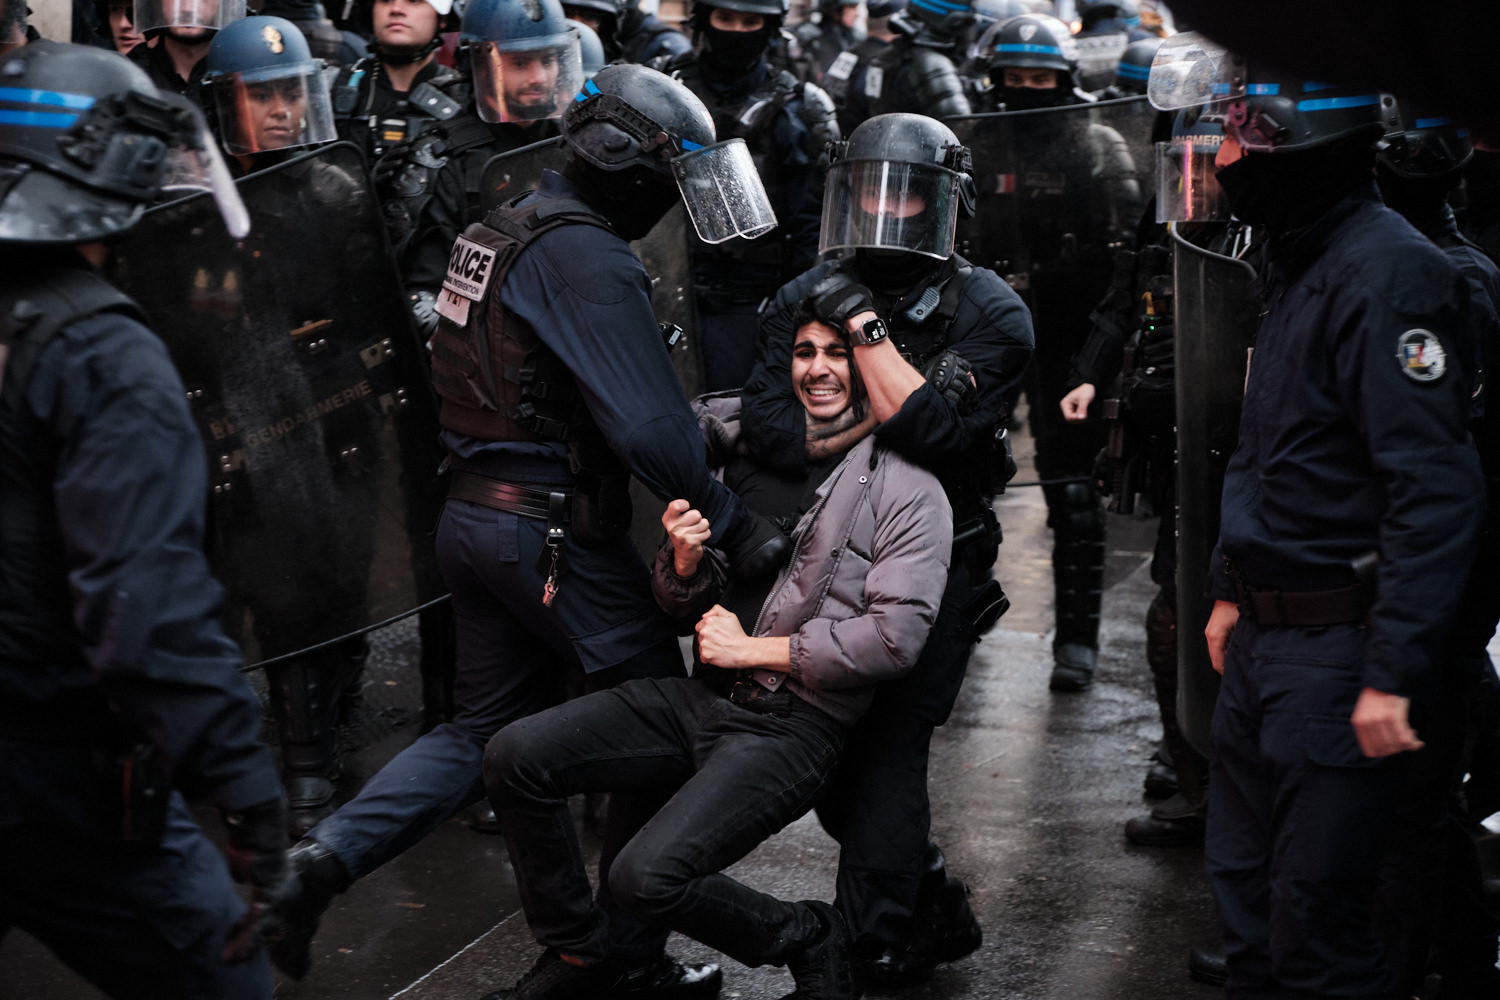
(1421, 356)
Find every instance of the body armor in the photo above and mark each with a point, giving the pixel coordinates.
(906, 76)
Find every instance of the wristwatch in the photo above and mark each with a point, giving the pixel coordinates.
(872, 332)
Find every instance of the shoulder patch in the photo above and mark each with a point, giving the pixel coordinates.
(1421, 356)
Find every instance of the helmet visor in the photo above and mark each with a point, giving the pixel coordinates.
(526, 85)
(877, 204)
(1189, 70)
(1187, 189)
(282, 108)
(723, 192)
(211, 14)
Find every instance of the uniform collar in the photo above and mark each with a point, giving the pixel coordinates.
(1296, 251)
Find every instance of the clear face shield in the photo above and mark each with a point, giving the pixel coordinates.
(723, 192)
(282, 108)
(205, 15)
(876, 204)
(1187, 187)
(526, 84)
(1190, 71)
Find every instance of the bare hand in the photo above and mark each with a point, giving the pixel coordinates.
(1380, 724)
(688, 530)
(1221, 623)
(721, 638)
(1075, 405)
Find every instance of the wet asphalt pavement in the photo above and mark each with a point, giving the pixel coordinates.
(1030, 791)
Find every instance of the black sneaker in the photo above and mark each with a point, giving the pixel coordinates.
(665, 978)
(822, 970)
(551, 978)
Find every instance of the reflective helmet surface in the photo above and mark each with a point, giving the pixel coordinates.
(269, 92)
(509, 87)
(897, 183)
(1033, 41)
(154, 15)
(1423, 144)
(84, 143)
(942, 18)
(630, 115)
(1265, 110)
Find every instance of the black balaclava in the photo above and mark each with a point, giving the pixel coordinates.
(1422, 201)
(1282, 192)
(729, 55)
(633, 200)
(1031, 98)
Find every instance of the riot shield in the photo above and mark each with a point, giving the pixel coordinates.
(1059, 191)
(511, 174)
(1216, 317)
(311, 394)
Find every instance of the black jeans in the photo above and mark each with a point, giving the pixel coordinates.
(735, 774)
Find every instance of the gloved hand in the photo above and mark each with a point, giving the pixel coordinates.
(837, 297)
(952, 376)
(759, 550)
(258, 856)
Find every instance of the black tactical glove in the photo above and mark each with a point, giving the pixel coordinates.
(837, 297)
(952, 376)
(258, 856)
(761, 549)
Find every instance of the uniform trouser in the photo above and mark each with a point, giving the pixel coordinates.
(513, 659)
(1161, 655)
(734, 777)
(1297, 817)
(877, 806)
(140, 923)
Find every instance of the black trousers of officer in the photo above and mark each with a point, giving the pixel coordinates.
(877, 806)
(1298, 817)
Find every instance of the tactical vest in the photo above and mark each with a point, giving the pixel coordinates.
(37, 634)
(495, 378)
(377, 130)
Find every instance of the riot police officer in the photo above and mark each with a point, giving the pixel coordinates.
(1355, 418)
(1430, 905)
(845, 76)
(119, 691)
(395, 94)
(917, 73)
(269, 94)
(962, 340)
(1075, 201)
(182, 30)
(338, 48)
(541, 447)
(524, 70)
(787, 125)
(1133, 70)
(629, 34)
(833, 29)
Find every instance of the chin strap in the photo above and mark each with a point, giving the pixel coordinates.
(406, 56)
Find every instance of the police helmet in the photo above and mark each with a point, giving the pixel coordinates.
(525, 58)
(1424, 145)
(1187, 182)
(1265, 110)
(883, 8)
(269, 93)
(897, 183)
(1134, 67)
(158, 15)
(631, 117)
(87, 143)
(774, 11)
(1090, 11)
(939, 22)
(590, 49)
(994, 11)
(1035, 41)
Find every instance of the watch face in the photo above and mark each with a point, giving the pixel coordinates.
(873, 331)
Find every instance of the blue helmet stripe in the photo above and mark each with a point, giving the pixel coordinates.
(1432, 122)
(1311, 86)
(589, 90)
(47, 98)
(941, 6)
(1263, 89)
(1046, 50)
(689, 145)
(1131, 71)
(1335, 103)
(38, 119)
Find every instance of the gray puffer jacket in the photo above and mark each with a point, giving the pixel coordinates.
(868, 568)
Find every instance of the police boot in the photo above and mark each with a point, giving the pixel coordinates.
(1207, 964)
(304, 699)
(1076, 516)
(1161, 656)
(943, 929)
(320, 877)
